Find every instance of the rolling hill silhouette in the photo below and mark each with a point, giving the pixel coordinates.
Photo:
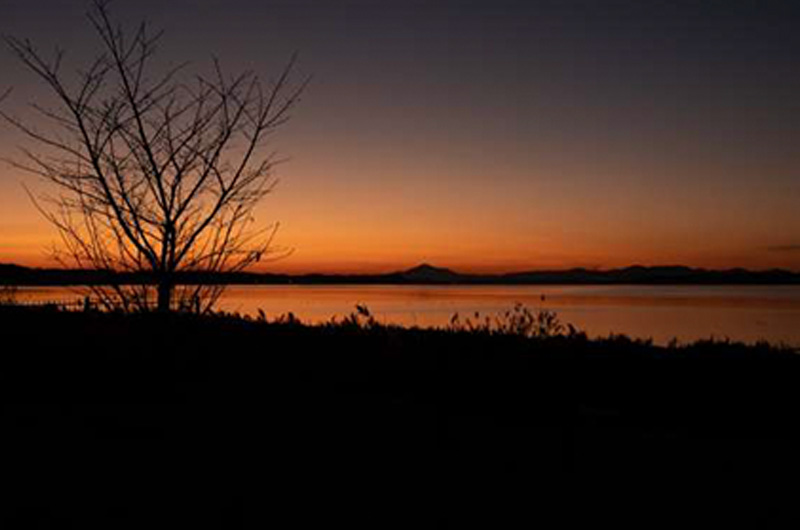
(11, 274)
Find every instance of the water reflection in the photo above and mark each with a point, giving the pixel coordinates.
(687, 313)
(747, 313)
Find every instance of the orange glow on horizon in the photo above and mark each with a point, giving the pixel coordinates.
(339, 218)
(384, 235)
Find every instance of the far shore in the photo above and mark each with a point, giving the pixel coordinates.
(424, 274)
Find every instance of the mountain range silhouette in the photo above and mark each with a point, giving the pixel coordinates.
(12, 274)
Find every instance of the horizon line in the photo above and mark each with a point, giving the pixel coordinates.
(448, 269)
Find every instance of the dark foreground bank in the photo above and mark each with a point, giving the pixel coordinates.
(136, 421)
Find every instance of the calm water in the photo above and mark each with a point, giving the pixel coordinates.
(747, 313)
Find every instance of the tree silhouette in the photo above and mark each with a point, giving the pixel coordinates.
(156, 174)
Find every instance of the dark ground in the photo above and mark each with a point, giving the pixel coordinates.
(137, 421)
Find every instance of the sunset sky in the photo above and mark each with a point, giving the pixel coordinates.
(488, 135)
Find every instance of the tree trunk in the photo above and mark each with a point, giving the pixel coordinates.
(164, 295)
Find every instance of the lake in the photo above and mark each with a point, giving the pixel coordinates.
(687, 313)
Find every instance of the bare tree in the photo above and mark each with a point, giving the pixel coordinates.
(156, 175)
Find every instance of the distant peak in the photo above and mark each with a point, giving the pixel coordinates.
(427, 267)
(428, 272)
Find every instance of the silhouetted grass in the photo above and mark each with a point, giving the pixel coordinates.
(225, 421)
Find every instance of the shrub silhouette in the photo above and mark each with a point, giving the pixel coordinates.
(518, 321)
